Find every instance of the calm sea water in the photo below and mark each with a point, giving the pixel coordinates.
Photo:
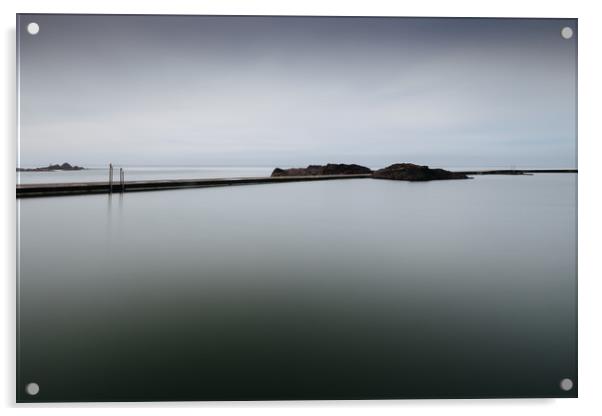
(140, 173)
(339, 289)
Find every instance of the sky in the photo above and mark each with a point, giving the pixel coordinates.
(293, 91)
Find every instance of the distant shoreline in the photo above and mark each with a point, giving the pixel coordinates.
(516, 171)
(51, 168)
(89, 188)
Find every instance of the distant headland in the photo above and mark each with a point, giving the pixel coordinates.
(397, 171)
(50, 168)
(318, 170)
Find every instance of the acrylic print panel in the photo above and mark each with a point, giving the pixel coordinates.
(253, 208)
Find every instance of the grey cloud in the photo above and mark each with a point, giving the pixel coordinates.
(287, 91)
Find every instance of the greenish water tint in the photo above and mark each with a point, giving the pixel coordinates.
(319, 290)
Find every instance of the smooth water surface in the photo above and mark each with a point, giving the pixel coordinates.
(337, 289)
(142, 173)
(145, 173)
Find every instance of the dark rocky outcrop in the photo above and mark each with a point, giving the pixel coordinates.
(50, 168)
(412, 172)
(329, 169)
